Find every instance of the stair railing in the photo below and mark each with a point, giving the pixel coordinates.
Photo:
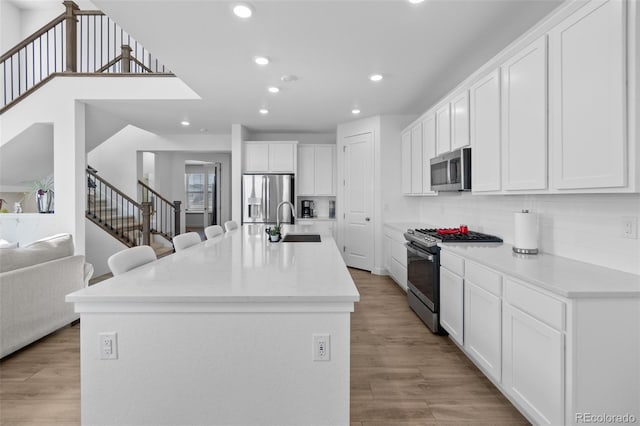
(165, 214)
(76, 41)
(119, 215)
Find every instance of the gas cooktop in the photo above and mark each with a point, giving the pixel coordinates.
(458, 235)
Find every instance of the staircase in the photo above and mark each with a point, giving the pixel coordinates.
(130, 222)
(77, 42)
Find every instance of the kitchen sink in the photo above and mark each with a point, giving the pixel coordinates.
(301, 238)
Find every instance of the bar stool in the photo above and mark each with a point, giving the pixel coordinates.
(130, 258)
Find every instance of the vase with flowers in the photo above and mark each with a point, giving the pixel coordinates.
(43, 190)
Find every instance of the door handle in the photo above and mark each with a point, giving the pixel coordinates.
(367, 219)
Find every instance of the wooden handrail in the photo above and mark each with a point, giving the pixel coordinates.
(143, 66)
(55, 21)
(89, 13)
(144, 185)
(112, 186)
(109, 64)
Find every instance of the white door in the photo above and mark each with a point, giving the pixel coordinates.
(451, 304)
(485, 133)
(483, 327)
(416, 159)
(524, 118)
(533, 366)
(358, 201)
(587, 76)
(406, 162)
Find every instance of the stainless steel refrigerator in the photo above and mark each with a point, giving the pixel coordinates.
(261, 195)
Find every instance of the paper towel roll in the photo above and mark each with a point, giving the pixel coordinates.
(525, 232)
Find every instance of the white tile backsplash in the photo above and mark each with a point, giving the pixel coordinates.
(582, 227)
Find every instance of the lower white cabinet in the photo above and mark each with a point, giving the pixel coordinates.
(451, 304)
(483, 328)
(396, 256)
(533, 366)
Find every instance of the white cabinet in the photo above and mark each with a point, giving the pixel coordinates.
(270, 157)
(533, 351)
(533, 369)
(443, 129)
(587, 72)
(256, 157)
(406, 162)
(316, 170)
(460, 120)
(485, 133)
(524, 119)
(396, 256)
(418, 147)
(325, 176)
(428, 150)
(416, 159)
(451, 304)
(483, 318)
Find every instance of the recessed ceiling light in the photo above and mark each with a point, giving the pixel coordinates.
(242, 10)
(355, 111)
(261, 60)
(264, 111)
(185, 123)
(375, 77)
(415, 1)
(273, 89)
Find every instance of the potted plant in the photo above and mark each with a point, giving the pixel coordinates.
(43, 190)
(275, 234)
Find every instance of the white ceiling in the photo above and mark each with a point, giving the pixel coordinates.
(422, 50)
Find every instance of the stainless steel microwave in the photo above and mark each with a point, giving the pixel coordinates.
(452, 171)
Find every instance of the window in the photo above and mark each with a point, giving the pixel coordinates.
(195, 190)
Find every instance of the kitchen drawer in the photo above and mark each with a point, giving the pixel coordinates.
(484, 278)
(452, 262)
(399, 252)
(540, 306)
(399, 273)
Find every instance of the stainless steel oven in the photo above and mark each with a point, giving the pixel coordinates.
(423, 280)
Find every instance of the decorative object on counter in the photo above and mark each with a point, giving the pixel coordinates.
(17, 207)
(525, 232)
(274, 233)
(2, 208)
(43, 190)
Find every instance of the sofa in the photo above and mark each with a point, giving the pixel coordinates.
(34, 281)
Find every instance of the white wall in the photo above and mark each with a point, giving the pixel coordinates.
(100, 246)
(10, 32)
(582, 227)
(302, 138)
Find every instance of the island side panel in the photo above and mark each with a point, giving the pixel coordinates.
(215, 368)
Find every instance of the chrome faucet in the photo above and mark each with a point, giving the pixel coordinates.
(293, 212)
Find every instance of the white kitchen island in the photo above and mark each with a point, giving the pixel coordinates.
(221, 334)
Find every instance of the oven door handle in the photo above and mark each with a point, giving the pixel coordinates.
(420, 253)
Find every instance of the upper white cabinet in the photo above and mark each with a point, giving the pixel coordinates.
(428, 150)
(316, 170)
(587, 72)
(418, 145)
(485, 133)
(416, 159)
(270, 157)
(460, 120)
(406, 162)
(524, 118)
(443, 129)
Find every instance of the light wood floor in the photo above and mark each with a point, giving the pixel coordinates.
(401, 374)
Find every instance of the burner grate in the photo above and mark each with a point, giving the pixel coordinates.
(450, 235)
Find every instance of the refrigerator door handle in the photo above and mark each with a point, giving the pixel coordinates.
(264, 198)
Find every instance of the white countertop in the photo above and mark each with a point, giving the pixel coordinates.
(559, 275)
(239, 266)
